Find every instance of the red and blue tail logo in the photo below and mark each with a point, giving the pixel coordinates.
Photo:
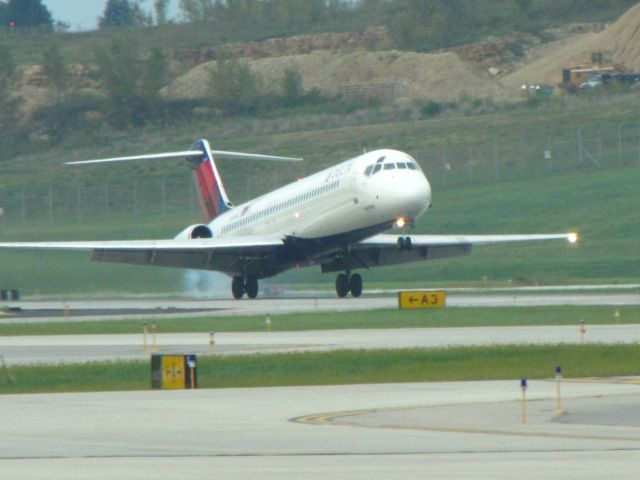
(213, 198)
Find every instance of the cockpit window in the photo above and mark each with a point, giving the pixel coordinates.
(377, 169)
(412, 166)
(402, 165)
(368, 170)
(380, 160)
(389, 166)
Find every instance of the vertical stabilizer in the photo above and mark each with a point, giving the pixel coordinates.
(213, 198)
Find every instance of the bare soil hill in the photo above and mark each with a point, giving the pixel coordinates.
(621, 38)
(441, 76)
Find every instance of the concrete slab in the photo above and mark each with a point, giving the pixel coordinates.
(82, 348)
(248, 433)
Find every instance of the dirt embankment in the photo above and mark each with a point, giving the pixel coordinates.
(354, 63)
(621, 38)
(442, 76)
(376, 38)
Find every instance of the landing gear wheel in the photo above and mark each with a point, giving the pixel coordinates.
(355, 284)
(342, 285)
(405, 243)
(237, 287)
(251, 287)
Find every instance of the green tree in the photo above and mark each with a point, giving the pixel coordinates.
(292, 86)
(197, 10)
(117, 13)
(8, 103)
(131, 81)
(160, 7)
(235, 87)
(29, 14)
(56, 70)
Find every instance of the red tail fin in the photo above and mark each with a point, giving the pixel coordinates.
(211, 193)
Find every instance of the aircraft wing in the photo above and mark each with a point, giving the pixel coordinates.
(222, 254)
(385, 250)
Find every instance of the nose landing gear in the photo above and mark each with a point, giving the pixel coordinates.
(346, 283)
(240, 285)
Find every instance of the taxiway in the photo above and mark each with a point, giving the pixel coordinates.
(446, 430)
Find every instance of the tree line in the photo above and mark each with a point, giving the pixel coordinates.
(130, 81)
(414, 24)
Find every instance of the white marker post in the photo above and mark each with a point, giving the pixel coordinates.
(154, 344)
(212, 341)
(523, 400)
(145, 347)
(267, 322)
(583, 332)
(558, 390)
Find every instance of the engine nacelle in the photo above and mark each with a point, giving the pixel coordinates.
(195, 231)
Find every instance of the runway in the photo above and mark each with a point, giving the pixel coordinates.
(142, 308)
(441, 430)
(52, 349)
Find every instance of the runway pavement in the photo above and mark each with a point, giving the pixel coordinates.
(437, 430)
(83, 348)
(128, 308)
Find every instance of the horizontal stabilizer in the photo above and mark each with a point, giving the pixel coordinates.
(188, 154)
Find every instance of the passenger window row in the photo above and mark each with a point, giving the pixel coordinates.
(241, 222)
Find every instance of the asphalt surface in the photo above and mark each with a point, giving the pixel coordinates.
(79, 310)
(438, 430)
(51, 349)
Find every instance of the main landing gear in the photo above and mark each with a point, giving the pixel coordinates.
(346, 283)
(242, 285)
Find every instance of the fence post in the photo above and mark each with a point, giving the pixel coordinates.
(600, 145)
(23, 205)
(638, 144)
(50, 204)
(522, 147)
(106, 200)
(580, 148)
(444, 166)
(163, 192)
(550, 153)
(620, 145)
(78, 202)
(496, 169)
(135, 197)
(471, 164)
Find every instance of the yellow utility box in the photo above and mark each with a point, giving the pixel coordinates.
(174, 372)
(422, 299)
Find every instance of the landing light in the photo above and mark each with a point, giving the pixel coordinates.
(573, 238)
(401, 222)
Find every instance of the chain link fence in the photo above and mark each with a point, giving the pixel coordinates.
(447, 165)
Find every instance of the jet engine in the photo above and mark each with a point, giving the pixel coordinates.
(195, 231)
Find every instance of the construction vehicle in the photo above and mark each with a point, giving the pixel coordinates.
(601, 63)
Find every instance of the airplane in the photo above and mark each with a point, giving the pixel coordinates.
(333, 218)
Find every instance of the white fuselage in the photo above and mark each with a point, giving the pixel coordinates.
(373, 189)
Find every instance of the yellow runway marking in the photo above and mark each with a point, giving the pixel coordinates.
(610, 380)
(339, 419)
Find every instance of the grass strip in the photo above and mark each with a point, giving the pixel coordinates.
(343, 367)
(449, 317)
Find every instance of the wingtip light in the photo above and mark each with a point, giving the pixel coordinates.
(573, 238)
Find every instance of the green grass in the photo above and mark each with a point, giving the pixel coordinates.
(599, 202)
(343, 367)
(601, 205)
(450, 317)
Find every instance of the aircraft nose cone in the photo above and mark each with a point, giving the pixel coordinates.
(405, 196)
(415, 194)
